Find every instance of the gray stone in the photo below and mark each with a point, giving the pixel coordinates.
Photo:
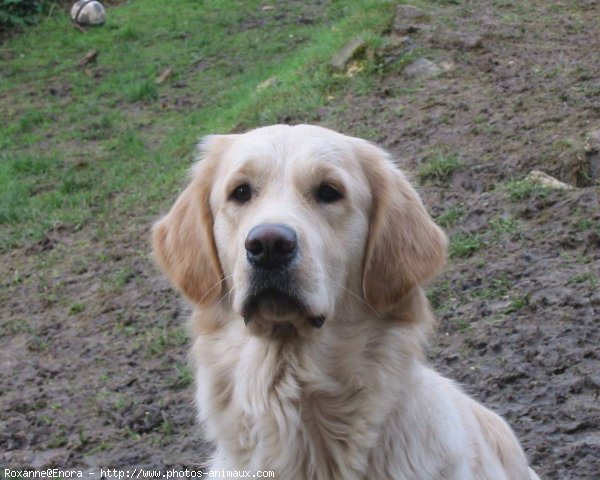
(545, 180)
(469, 41)
(49, 458)
(592, 141)
(422, 68)
(268, 83)
(347, 53)
(445, 38)
(395, 43)
(394, 48)
(592, 152)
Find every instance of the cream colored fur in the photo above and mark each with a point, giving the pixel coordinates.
(353, 399)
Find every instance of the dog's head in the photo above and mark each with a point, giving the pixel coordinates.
(284, 224)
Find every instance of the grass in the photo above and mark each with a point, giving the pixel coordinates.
(523, 189)
(516, 304)
(122, 277)
(182, 377)
(464, 245)
(497, 288)
(503, 225)
(586, 224)
(440, 169)
(437, 293)
(143, 90)
(461, 324)
(159, 339)
(450, 217)
(584, 277)
(83, 146)
(76, 308)
(14, 327)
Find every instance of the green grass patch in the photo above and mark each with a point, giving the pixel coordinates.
(159, 339)
(450, 217)
(517, 304)
(586, 224)
(584, 277)
(461, 324)
(501, 225)
(76, 308)
(122, 277)
(437, 294)
(464, 245)
(523, 189)
(142, 90)
(182, 377)
(439, 169)
(104, 143)
(496, 288)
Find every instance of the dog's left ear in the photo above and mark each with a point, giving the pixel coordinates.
(183, 241)
(405, 247)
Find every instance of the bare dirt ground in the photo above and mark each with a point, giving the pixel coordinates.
(93, 344)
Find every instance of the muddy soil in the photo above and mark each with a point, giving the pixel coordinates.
(93, 345)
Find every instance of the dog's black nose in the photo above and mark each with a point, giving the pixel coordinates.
(271, 245)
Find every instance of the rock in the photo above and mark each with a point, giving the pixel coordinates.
(164, 76)
(444, 38)
(469, 41)
(55, 457)
(592, 141)
(348, 52)
(592, 153)
(395, 44)
(269, 82)
(545, 180)
(89, 57)
(410, 19)
(447, 65)
(394, 48)
(422, 68)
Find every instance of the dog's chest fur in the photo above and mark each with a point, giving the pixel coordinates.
(276, 406)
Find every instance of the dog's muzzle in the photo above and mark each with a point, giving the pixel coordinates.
(271, 250)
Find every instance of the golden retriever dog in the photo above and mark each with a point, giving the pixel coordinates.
(304, 253)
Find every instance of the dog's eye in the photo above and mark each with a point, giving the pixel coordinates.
(327, 194)
(241, 194)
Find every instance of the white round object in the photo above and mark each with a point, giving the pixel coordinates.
(88, 12)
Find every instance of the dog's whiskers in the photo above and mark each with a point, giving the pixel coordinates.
(225, 296)
(353, 294)
(331, 267)
(216, 285)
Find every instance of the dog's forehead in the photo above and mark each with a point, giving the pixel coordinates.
(284, 146)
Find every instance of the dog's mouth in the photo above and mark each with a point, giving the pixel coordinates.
(280, 306)
(274, 298)
(272, 302)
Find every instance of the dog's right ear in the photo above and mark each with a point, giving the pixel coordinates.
(183, 240)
